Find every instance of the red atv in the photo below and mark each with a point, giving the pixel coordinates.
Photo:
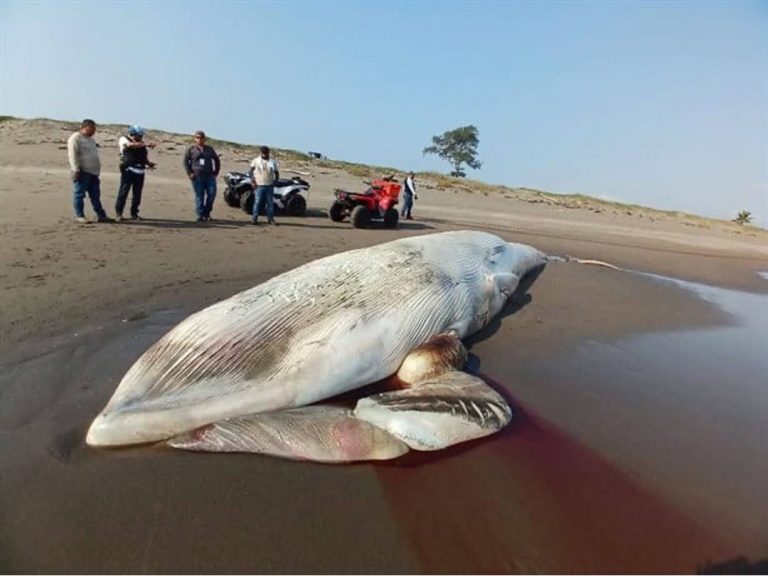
(376, 203)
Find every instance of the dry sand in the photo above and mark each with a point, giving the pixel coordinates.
(80, 303)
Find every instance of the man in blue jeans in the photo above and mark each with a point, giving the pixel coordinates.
(264, 173)
(85, 165)
(202, 165)
(409, 195)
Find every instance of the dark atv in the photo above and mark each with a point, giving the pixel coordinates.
(289, 193)
(376, 203)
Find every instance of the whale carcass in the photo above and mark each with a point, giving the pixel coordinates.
(245, 373)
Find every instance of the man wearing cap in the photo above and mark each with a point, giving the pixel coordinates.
(133, 161)
(84, 162)
(202, 166)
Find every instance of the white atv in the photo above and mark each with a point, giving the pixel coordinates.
(290, 193)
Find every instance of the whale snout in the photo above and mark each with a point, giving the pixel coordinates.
(119, 429)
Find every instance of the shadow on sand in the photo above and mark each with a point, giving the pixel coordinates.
(168, 223)
(313, 218)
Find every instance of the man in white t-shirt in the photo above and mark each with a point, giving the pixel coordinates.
(83, 153)
(264, 173)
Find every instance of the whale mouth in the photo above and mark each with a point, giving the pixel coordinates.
(192, 439)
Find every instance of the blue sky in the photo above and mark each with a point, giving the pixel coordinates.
(658, 103)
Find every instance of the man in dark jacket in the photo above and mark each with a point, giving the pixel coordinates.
(134, 160)
(202, 166)
(409, 195)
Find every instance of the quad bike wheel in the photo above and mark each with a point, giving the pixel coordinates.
(247, 199)
(296, 205)
(337, 211)
(391, 217)
(361, 216)
(232, 197)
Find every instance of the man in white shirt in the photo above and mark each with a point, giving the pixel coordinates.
(409, 195)
(84, 162)
(264, 174)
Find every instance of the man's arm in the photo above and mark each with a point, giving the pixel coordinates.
(216, 162)
(187, 162)
(73, 150)
(132, 144)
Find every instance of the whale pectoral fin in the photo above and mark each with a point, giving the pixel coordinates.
(319, 433)
(440, 354)
(505, 281)
(445, 410)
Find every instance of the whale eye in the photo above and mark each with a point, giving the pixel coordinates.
(495, 251)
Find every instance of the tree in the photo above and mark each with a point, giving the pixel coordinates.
(458, 147)
(744, 217)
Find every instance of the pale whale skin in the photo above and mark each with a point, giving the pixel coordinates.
(324, 328)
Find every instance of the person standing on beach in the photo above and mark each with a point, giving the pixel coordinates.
(265, 173)
(133, 161)
(409, 195)
(84, 162)
(202, 165)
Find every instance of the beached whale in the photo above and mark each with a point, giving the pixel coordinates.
(243, 374)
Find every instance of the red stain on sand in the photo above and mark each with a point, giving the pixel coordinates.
(534, 500)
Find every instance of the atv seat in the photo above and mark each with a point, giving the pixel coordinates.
(387, 187)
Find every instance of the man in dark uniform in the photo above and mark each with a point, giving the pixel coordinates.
(133, 161)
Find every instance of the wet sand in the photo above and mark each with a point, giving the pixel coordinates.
(534, 500)
(602, 470)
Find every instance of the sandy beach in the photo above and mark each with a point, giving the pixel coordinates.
(634, 447)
